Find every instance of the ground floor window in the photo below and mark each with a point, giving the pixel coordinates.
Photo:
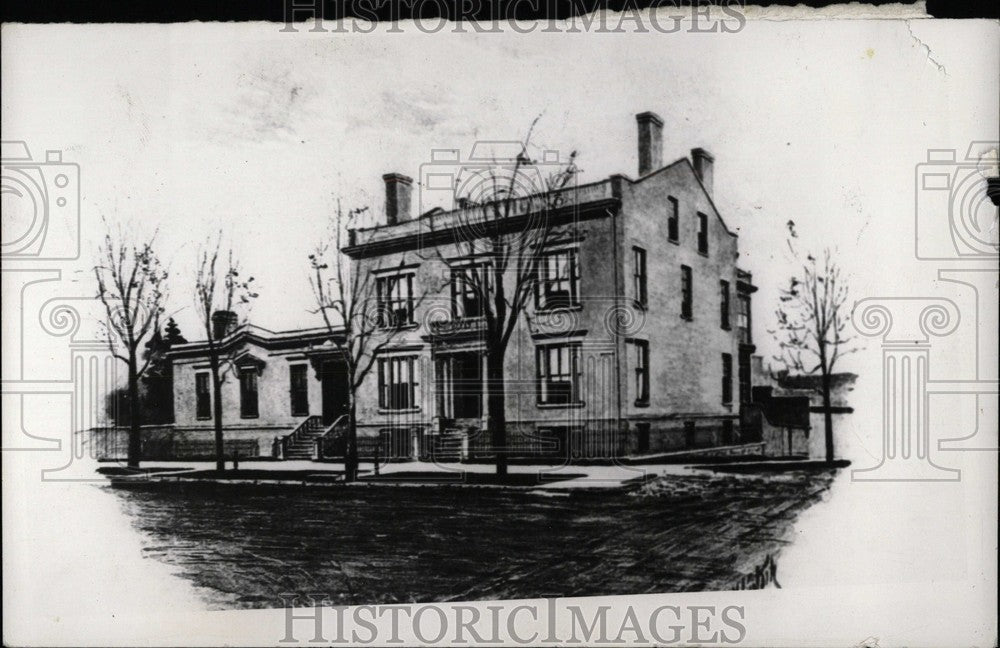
(728, 435)
(727, 378)
(558, 374)
(299, 389)
(397, 382)
(642, 432)
(745, 378)
(248, 393)
(202, 396)
(689, 435)
(639, 357)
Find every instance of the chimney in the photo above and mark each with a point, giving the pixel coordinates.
(398, 189)
(650, 142)
(703, 161)
(223, 323)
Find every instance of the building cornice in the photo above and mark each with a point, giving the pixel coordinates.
(427, 235)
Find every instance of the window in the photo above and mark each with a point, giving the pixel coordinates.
(743, 318)
(395, 300)
(745, 378)
(642, 431)
(673, 219)
(702, 233)
(203, 398)
(397, 382)
(728, 435)
(639, 276)
(724, 304)
(558, 373)
(640, 370)
(690, 439)
(727, 378)
(685, 292)
(248, 393)
(299, 389)
(466, 291)
(558, 277)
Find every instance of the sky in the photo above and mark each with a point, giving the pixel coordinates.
(200, 128)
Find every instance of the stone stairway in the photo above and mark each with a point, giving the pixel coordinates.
(300, 443)
(448, 446)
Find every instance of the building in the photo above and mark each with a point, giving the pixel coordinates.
(275, 382)
(789, 410)
(638, 339)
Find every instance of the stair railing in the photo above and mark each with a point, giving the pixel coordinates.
(289, 439)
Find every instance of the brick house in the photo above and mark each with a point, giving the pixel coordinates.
(638, 339)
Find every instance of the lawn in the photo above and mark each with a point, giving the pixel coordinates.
(246, 547)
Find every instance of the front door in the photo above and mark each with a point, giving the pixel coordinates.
(467, 375)
(335, 391)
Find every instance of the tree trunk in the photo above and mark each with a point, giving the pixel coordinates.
(351, 447)
(496, 421)
(220, 455)
(134, 438)
(827, 418)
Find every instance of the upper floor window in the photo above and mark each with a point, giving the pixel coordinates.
(298, 378)
(686, 292)
(202, 396)
(639, 353)
(558, 280)
(724, 304)
(639, 276)
(248, 393)
(702, 233)
(467, 291)
(673, 219)
(727, 378)
(743, 322)
(395, 300)
(558, 374)
(397, 380)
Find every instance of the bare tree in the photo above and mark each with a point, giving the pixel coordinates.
(516, 204)
(812, 320)
(132, 287)
(358, 324)
(220, 288)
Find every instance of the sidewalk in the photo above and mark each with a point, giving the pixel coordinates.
(577, 477)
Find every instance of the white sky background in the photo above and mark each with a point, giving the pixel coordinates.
(193, 128)
(197, 127)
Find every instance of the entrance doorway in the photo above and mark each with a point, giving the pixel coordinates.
(333, 376)
(460, 385)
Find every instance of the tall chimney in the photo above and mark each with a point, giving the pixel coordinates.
(223, 323)
(703, 162)
(650, 142)
(398, 189)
